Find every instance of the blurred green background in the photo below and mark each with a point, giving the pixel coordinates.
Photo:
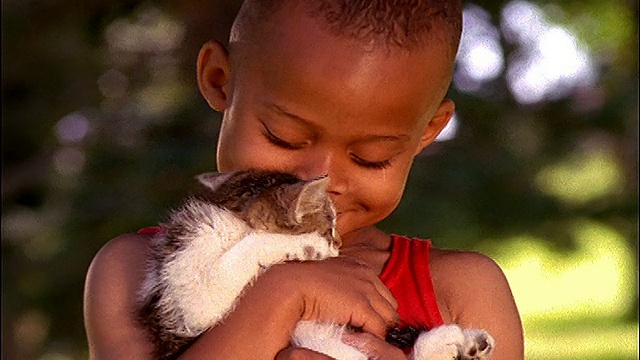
(103, 129)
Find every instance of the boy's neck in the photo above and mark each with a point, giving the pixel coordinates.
(369, 245)
(368, 237)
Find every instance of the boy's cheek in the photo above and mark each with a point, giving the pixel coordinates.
(380, 199)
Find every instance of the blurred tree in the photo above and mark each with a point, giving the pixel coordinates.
(103, 129)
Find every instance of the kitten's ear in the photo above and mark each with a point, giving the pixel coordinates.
(312, 197)
(213, 180)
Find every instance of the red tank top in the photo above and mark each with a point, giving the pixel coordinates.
(407, 275)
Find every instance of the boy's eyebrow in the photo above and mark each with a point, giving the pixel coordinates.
(398, 137)
(286, 113)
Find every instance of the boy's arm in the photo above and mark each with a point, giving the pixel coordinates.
(112, 284)
(111, 288)
(473, 292)
(109, 300)
(258, 328)
(340, 289)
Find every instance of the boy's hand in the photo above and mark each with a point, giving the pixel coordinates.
(292, 353)
(370, 345)
(341, 290)
(374, 347)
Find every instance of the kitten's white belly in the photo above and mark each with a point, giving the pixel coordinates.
(204, 281)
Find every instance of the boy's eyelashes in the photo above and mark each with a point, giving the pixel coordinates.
(272, 138)
(371, 164)
(279, 142)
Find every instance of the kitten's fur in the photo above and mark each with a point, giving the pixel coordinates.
(218, 242)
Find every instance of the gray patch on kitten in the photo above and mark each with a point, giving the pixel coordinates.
(265, 201)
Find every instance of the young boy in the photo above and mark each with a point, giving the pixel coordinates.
(352, 89)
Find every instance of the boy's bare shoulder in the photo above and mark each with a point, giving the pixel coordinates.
(473, 291)
(110, 298)
(462, 279)
(455, 263)
(123, 248)
(471, 287)
(118, 256)
(120, 262)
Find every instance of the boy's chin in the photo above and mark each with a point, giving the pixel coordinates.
(348, 225)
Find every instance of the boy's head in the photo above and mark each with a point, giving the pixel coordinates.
(352, 89)
(400, 24)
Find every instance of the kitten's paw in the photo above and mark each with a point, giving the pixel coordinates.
(441, 343)
(450, 342)
(478, 345)
(307, 252)
(310, 247)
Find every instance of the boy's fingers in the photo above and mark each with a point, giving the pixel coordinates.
(388, 314)
(372, 277)
(293, 353)
(384, 291)
(377, 283)
(383, 304)
(376, 327)
(375, 348)
(370, 320)
(386, 306)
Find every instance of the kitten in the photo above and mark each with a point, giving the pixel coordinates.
(219, 241)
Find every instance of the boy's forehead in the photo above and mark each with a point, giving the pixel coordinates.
(302, 42)
(295, 60)
(295, 31)
(402, 24)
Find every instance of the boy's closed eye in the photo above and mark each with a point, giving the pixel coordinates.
(279, 141)
(290, 145)
(371, 164)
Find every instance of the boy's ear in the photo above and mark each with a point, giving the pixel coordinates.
(214, 74)
(436, 124)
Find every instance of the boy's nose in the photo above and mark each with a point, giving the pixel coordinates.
(322, 165)
(314, 166)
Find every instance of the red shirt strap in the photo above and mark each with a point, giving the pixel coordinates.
(408, 277)
(150, 230)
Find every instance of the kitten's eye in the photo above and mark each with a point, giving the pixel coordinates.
(278, 141)
(378, 165)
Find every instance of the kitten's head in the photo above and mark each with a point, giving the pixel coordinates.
(274, 201)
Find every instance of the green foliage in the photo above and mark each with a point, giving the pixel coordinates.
(103, 130)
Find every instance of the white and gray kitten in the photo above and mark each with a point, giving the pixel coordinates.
(219, 241)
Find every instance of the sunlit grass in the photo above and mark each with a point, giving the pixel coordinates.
(588, 343)
(582, 178)
(572, 304)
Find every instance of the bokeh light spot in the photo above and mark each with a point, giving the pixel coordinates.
(72, 128)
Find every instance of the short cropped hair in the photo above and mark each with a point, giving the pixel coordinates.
(399, 23)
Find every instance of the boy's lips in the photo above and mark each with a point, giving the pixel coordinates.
(348, 208)
(342, 212)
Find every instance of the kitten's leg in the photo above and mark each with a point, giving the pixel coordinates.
(197, 236)
(205, 289)
(440, 343)
(266, 249)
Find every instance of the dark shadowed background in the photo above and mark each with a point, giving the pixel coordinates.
(103, 130)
